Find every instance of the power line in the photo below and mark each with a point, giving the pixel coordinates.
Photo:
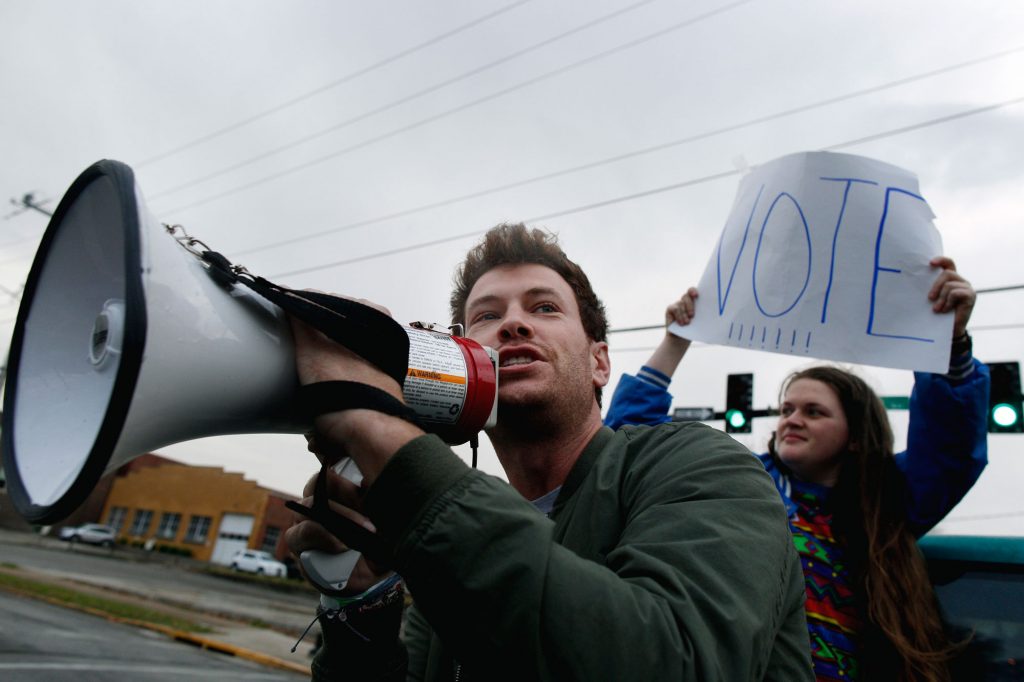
(646, 328)
(333, 84)
(974, 328)
(995, 327)
(16, 258)
(463, 107)
(639, 349)
(661, 327)
(403, 100)
(475, 233)
(926, 124)
(637, 152)
(15, 295)
(646, 193)
(991, 290)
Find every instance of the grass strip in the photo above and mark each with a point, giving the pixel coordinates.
(92, 603)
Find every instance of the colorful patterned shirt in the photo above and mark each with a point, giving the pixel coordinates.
(833, 619)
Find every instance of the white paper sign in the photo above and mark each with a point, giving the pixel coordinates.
(826, 255)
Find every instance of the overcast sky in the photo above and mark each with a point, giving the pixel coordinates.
(328, 144)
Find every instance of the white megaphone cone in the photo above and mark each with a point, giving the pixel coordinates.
(124, 343)
(129, 339)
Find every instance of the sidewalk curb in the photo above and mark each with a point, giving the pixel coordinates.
(179, 635)
(222, 648)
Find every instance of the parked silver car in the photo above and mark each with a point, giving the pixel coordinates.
(90, 533)
(255, 561)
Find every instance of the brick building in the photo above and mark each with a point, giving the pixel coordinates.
(155, 501)
(205, 510)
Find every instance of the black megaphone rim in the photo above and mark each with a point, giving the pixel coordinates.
(130, 363)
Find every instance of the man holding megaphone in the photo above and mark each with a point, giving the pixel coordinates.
(646, 554)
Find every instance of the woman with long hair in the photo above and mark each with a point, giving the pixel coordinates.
(856, 507)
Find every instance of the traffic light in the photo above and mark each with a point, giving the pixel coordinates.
(739, 398)
(1004, 398)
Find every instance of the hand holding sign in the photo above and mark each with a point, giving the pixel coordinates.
(828, 256)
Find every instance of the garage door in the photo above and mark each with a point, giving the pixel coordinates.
(232, 536)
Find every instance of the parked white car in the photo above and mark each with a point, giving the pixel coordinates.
(91, 533)
(255, 561)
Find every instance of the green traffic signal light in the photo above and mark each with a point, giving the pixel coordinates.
(739, 396)
(1004, 398)
(736, 419)
(1005, 415)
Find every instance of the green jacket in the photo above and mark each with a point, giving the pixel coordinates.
(667, 556)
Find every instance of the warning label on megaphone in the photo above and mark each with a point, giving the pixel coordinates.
(451, 380)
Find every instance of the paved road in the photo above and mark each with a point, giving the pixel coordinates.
(118, 570)
(221, 603)
(39, 641)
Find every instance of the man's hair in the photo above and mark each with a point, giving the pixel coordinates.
(515, 244)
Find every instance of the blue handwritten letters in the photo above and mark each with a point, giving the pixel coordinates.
(826, 255)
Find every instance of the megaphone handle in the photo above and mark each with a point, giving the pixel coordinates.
(343, 528)
(328, 572)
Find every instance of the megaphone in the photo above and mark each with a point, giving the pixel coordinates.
(125, 342)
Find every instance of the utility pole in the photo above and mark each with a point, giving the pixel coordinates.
(28, 201)
(13, 294)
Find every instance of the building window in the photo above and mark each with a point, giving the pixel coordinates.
(168, 526)
(140, 524)
(115, 519)
(270, 539)
(198, 528)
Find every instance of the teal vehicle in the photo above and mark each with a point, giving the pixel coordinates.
(980, 585)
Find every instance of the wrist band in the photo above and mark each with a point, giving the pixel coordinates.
(961, 362)
(961, 345)
(381, 596)
(374, 594)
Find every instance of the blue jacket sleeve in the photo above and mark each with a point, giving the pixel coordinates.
(638, 402)
(947, 445)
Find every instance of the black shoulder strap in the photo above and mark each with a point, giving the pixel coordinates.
(366, 331)
(374, 336)
(335, 396)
